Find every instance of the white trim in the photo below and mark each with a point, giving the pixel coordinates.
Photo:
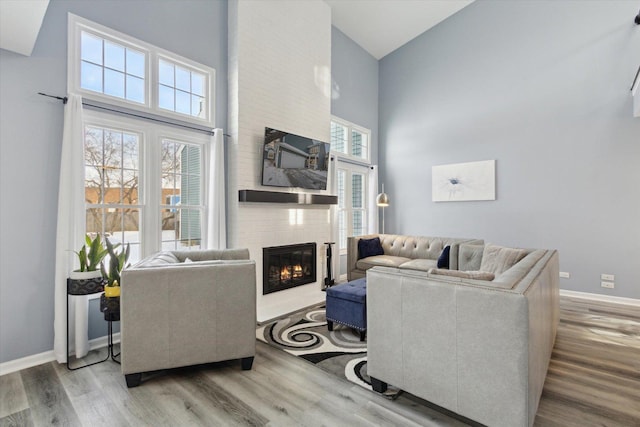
(599, 297)
(48, 356)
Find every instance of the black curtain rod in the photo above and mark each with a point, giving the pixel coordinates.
(65, 99)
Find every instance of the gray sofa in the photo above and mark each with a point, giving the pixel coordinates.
(177, 312)
(476, 347)
(406, 252)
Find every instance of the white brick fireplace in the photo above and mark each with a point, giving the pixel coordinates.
(279, 77)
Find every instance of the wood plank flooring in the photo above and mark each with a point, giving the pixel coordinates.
(593, 380)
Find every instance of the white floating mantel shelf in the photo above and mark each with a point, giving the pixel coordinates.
(257, 196)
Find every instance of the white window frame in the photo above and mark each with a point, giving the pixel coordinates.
(350, 128)
(153, 54)
(353, 164)
(150, 170)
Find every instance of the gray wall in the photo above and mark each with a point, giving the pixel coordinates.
(354, 74)
(31, 133)
(543, 88)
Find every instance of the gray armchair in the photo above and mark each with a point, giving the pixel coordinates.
(175, 313)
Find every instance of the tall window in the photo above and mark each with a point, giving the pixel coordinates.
(350, 143)
(352, 202)
(111, 67)
(181, 198)
(144, 184)
(112, 191)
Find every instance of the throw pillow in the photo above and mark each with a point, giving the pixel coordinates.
(498, 259)
(443, 259)
(369, 247)
(161, 258)
(478, 275)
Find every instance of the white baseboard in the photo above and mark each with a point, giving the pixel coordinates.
(48, 356)
(599, 297)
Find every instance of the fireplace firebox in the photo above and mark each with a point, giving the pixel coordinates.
(288, 266)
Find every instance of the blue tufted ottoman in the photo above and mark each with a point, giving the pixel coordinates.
(347, 305)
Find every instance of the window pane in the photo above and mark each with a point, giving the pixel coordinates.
(94, 220)
(129, 151)
(183, 79)
(359, 144)
(135, 63)
(112, 187)
(191, 157)
(165, 98)
(338, 137)
(91, 77)
(358, 223)
(190, 230)
(130, 187)
(165, 73)
(169, 225)
(112, 149)
(197, 84)
(113, 225)
(114, 83)
(183, 102)
(113, 56)
(135, 89)
(93, 146)
(91, 48)
(341, 188)
(342, 228)
(357, 190)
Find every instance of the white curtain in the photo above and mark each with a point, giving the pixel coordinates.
(70, 235)
(216, 202)
(373, 193)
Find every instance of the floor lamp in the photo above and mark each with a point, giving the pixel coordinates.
(382, 200)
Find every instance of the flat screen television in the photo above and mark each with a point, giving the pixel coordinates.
(291, 160)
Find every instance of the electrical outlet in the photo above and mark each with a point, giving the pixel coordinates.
(565, 275)
(609, 285)
(609, 277)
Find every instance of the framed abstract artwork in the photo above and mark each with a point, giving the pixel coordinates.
(464, 181)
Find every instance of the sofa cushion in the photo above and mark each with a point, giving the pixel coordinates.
(477, 275)
(498, 259)
(159, 259)
(443, 259)
(381, 260)
(418, 264)
(369, 247)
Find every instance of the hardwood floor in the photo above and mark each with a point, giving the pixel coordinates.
(593, 380)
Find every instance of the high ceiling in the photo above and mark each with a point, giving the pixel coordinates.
(382, 26)
(379, 26)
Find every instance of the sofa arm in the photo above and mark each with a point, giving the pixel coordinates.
(187, 314)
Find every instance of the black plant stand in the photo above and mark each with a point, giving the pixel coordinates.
(110, 306)
(111, 314)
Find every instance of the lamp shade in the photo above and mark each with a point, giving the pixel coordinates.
(382, 199)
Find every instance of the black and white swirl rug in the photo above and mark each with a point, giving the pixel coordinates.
(305, 334)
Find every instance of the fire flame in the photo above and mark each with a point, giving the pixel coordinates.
(286, 273)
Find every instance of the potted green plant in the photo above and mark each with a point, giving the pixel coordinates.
(117, 262)
(88, 278)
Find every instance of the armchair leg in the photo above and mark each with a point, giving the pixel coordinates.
(329, 325)
(247, 363)
(133, 380)
(378, 386)
(363, 335)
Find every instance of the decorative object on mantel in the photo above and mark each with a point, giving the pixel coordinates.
(117, 261)
(464, 181)
(258, 196)
(382, 200)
